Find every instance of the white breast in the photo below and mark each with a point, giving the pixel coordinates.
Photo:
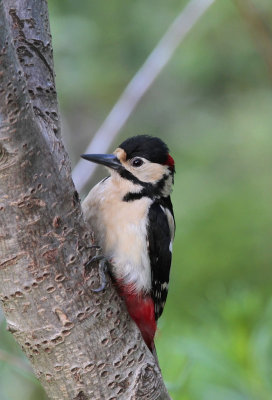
(120, 229)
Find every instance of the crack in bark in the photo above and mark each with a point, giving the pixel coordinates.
(81, 396)
(11, 261)
(19, 24)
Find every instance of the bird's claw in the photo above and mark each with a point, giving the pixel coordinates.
(96, 247)
(102, 269)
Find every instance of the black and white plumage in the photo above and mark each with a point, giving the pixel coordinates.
(132, 216)
(160, 238)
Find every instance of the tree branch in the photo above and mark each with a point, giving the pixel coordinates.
(139, 85)
(81, 345)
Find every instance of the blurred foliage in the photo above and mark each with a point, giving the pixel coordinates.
(212, 105)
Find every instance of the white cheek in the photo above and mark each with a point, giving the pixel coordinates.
(148, 172)
(171, 246)
(167, 189)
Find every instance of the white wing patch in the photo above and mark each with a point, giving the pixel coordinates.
(171, 224)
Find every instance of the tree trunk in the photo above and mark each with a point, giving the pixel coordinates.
(82, 345)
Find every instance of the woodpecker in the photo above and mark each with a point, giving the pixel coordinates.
(131, 213)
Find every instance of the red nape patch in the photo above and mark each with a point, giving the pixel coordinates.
(141, 309)
(170, 162)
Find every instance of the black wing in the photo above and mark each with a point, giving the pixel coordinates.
(160, 236)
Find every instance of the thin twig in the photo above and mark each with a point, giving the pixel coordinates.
(139, 85)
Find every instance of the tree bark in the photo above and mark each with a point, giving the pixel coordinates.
(82, 345)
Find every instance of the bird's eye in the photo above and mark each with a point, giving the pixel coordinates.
(137, 162)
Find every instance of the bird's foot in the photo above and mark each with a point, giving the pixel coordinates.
(102, 269)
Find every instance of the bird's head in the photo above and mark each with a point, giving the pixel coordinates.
(143, 160)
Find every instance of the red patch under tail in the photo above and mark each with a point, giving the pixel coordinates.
(141, 309)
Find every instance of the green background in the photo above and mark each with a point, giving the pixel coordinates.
(213, 106)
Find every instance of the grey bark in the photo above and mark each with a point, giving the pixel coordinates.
(81, 345)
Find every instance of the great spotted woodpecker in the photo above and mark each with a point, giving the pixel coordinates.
(131, 214)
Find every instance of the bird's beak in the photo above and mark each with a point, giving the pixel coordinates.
(109, 160)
